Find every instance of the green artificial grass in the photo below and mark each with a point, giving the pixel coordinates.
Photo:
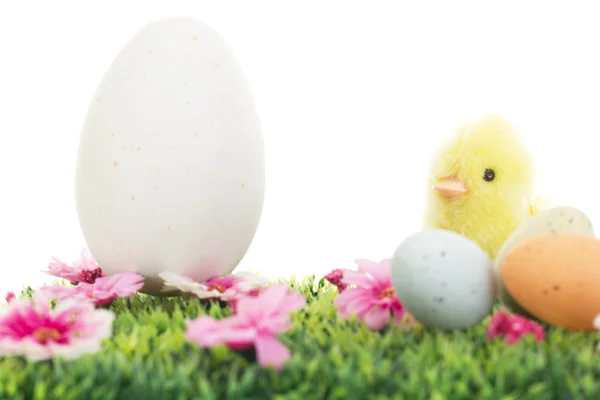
(148, 358)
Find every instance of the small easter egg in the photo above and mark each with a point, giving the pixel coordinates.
(556, 278)
(551, 221)
(443, 279)
(170, 167)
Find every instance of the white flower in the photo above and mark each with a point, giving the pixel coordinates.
(224, 288)
(596, 324)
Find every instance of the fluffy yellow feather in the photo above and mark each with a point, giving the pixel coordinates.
(481, 184)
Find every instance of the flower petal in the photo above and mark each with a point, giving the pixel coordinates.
(336, 278)
(208, 332)
(60, 292)
(265, 304)
(86, 261)
(203, 293)
(10, 296)
(175, 281)
(379, 271)
(376, 318)
(354, 301)
(76, 349)
(358, 278)
(122, 284)
(271, 352)
(597, 322)
(247, 280)
(62, 270)
(499, 325)
(399, 314)
(290, 303)
(513, 327)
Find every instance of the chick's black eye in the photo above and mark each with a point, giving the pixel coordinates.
(489, 175)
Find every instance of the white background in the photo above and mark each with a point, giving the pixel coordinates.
(353, 98)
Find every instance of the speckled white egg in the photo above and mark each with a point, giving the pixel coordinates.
(170, 169)
(555, 220)
(443, 279)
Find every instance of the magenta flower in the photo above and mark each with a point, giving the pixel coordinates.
(225, 288)
(254, 292)
(336, 278)
(104, 290)
(29, 328)
(257, 323)
(513, 327)
(83, 270)
(372, 299)
(10, 296)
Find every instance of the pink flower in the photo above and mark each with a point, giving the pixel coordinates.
(83, 270)
(254, 292)
(250, 293)
(336, 277)
(104, 290)
(224, 288)
(513, 327)
(258, 322)
(373, 299)
(28, 327)
(10, 296)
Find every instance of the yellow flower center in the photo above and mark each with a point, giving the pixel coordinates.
(387, 292)
(45, 334)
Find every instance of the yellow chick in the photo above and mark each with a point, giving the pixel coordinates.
(482, 184)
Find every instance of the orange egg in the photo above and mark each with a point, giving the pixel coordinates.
(557, 279)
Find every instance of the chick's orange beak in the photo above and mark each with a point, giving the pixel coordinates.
(450, 187)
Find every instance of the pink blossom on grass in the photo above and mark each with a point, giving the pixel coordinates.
(513, 327)
(250, 293)
(83, 270)
(30, 328)
(257, 323)
(104, 290)
(254, 292)
(370, 295)
(336, 278)
(225, 288)
(10, 296)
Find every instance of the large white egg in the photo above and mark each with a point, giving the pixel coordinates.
(443, 279)
(170, 170)
(556, 220)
